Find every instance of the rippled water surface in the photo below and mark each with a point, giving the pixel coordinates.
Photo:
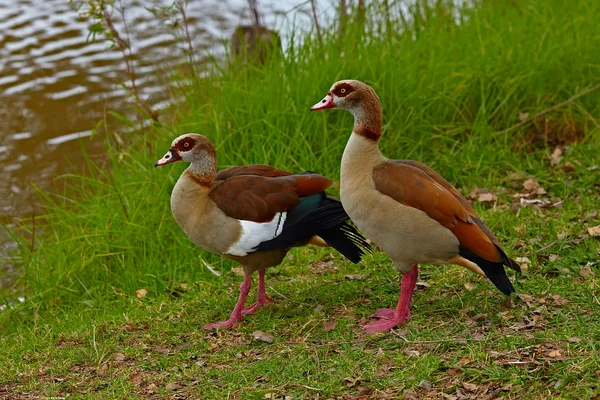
(55, 85)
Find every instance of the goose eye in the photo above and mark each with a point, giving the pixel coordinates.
(186, 144)
(343, 90)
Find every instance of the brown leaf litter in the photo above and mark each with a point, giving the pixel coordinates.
(324, 265)
(262, 336)
(482, 195)
(531, 187)
(594, 230)
(552, 132)
(556, 156)
(329, 326)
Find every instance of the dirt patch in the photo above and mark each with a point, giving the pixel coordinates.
(547, 132)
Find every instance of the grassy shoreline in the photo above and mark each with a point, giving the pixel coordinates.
(452, 94)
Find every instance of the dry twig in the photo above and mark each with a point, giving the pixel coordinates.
(343, 12)
(124, 45)
(317, 27)
(181, 7)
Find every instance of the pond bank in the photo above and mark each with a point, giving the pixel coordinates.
(450, 101)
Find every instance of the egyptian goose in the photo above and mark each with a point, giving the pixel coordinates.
(406, 208)
(254, 214)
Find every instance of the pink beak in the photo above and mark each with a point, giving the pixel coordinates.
(327, 102)
(168, 158)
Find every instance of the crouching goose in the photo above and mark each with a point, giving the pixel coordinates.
(254, 214)
(406, 208)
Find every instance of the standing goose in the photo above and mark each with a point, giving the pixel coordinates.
(406, 208)
(254, 214)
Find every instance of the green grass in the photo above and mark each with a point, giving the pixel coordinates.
(452, 93)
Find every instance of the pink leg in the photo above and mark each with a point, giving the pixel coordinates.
(262, 299)
(389, 318)
(236, 314)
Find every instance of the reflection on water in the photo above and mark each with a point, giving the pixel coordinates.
(55, 86)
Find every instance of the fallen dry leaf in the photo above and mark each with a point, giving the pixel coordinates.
(425, 385)
(350, 382)
(553, 257)
(529, 300)
(556, 155)
(478, 317)
(531, 188)
(141, 293)
(524, 260)
(119, 357)
(238, 271)
(531, 184)
(482, 195)
(471, 387)
(516, 176)
(355, 277)
(136, 379)
(462, 362)
(363, 390)
(586, 271)
(568, 166)
(574, 339)
(323, 265)
(487, 197)
(182, 346)
(554, 353)
(523, 116)
(184, 287)
(329, 326)
(581, 237)
(508, 303)
(262, 336)
(469, 286)
(412, 353)
(173, 386)
(594, 230)
(559, 300)
(474, 193)
(161, 350)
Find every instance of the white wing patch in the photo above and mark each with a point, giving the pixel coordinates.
(254, 233)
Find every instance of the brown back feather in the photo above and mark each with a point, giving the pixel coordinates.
(458, 195)
(258, 192)
(414, 184)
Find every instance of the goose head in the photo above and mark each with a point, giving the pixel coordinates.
(190, 147)
(359, 99)
(350, 95)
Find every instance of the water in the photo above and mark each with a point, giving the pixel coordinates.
(55, 86)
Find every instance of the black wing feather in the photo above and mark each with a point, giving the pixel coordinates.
(325, 218)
